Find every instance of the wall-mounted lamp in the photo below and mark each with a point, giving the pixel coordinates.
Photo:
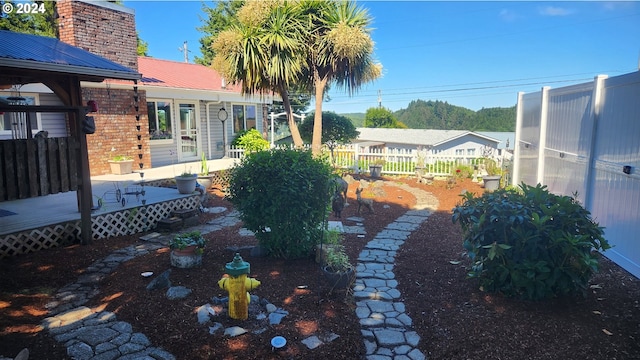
(222, 114)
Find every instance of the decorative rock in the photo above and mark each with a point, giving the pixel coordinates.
(312, 342)
(271, 308)
(178, 292)
(234, 331)
(216, 210)
(150, 236)
(161, 281)
(203, 314)
(216, 326)
(245, 232)
(276, 317)
(80, 351)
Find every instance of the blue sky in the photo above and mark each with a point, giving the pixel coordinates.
(473, 54)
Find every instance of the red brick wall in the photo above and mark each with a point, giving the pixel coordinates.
(116, 128)
(107, 30)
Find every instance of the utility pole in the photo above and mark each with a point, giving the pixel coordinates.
(185, 50)
(380, 98)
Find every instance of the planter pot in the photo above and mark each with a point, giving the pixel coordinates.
(339, 280)
(121, 167)
(186, 184)
(491, 182)
(375, 170)
(185, 258)
(205, 181)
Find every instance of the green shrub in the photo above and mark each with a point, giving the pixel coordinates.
(250, 140)
(529, 243)
(282, 196)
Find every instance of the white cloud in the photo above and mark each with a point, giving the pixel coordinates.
(508, 15)
(616, 5)
(555, 11)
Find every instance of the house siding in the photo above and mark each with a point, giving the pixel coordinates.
(54, 123)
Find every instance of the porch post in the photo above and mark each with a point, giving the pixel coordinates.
(84, 181)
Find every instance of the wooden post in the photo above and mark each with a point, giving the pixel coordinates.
(84, 175)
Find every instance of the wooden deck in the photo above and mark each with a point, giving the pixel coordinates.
(19, 219)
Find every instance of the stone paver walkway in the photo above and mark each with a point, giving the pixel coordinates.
(92, 334)
(387, 330)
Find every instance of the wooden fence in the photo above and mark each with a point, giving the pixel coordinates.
(37, 167)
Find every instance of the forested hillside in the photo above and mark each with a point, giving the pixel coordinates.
(441, 115)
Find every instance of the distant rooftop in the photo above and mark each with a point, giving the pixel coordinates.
(423, 137)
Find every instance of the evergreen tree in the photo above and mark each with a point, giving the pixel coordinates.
(218, 18)
(36, 23)
(378, 117)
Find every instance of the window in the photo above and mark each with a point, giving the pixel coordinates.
(159, 113)
(15, 123)
(459, 152)
(244, 117)
(471, 152)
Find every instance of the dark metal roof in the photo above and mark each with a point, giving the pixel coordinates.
(32, 52)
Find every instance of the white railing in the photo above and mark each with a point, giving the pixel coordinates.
(393, 161)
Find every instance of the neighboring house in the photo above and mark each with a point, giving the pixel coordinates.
(459, 143)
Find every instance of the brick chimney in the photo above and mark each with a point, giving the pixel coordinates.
(100, 27)
(109, 30)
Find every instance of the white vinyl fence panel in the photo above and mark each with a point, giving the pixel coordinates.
(394, 161)
(589, 137)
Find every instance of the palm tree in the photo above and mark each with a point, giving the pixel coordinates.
(339, 49)
(262, 52)
(310, 43)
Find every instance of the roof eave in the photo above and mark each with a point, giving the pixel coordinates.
(21, 65)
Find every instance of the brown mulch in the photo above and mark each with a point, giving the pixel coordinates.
(454, 319)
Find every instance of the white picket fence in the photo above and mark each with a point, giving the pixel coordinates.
(393, 161)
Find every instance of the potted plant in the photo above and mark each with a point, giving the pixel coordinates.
(337, 269)
(187, 249)
(121, 165)
(204, 178)
(492, 179)
(375, 168)
(491, 173)
(186, 182)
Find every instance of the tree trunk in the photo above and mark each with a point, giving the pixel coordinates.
(291, 120)
(316, 143)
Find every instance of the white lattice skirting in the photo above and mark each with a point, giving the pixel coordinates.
(117, 223)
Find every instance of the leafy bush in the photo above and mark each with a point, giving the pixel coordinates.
(529, 243)
(283, 197)
(250, 140)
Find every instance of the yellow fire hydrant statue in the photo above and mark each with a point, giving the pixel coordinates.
(238, 285)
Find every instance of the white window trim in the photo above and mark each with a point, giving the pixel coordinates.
(36, 100)
(244, 121)
(164, 141)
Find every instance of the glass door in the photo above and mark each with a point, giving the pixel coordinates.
(188, 140)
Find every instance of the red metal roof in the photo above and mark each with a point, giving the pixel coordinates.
(174, 74)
